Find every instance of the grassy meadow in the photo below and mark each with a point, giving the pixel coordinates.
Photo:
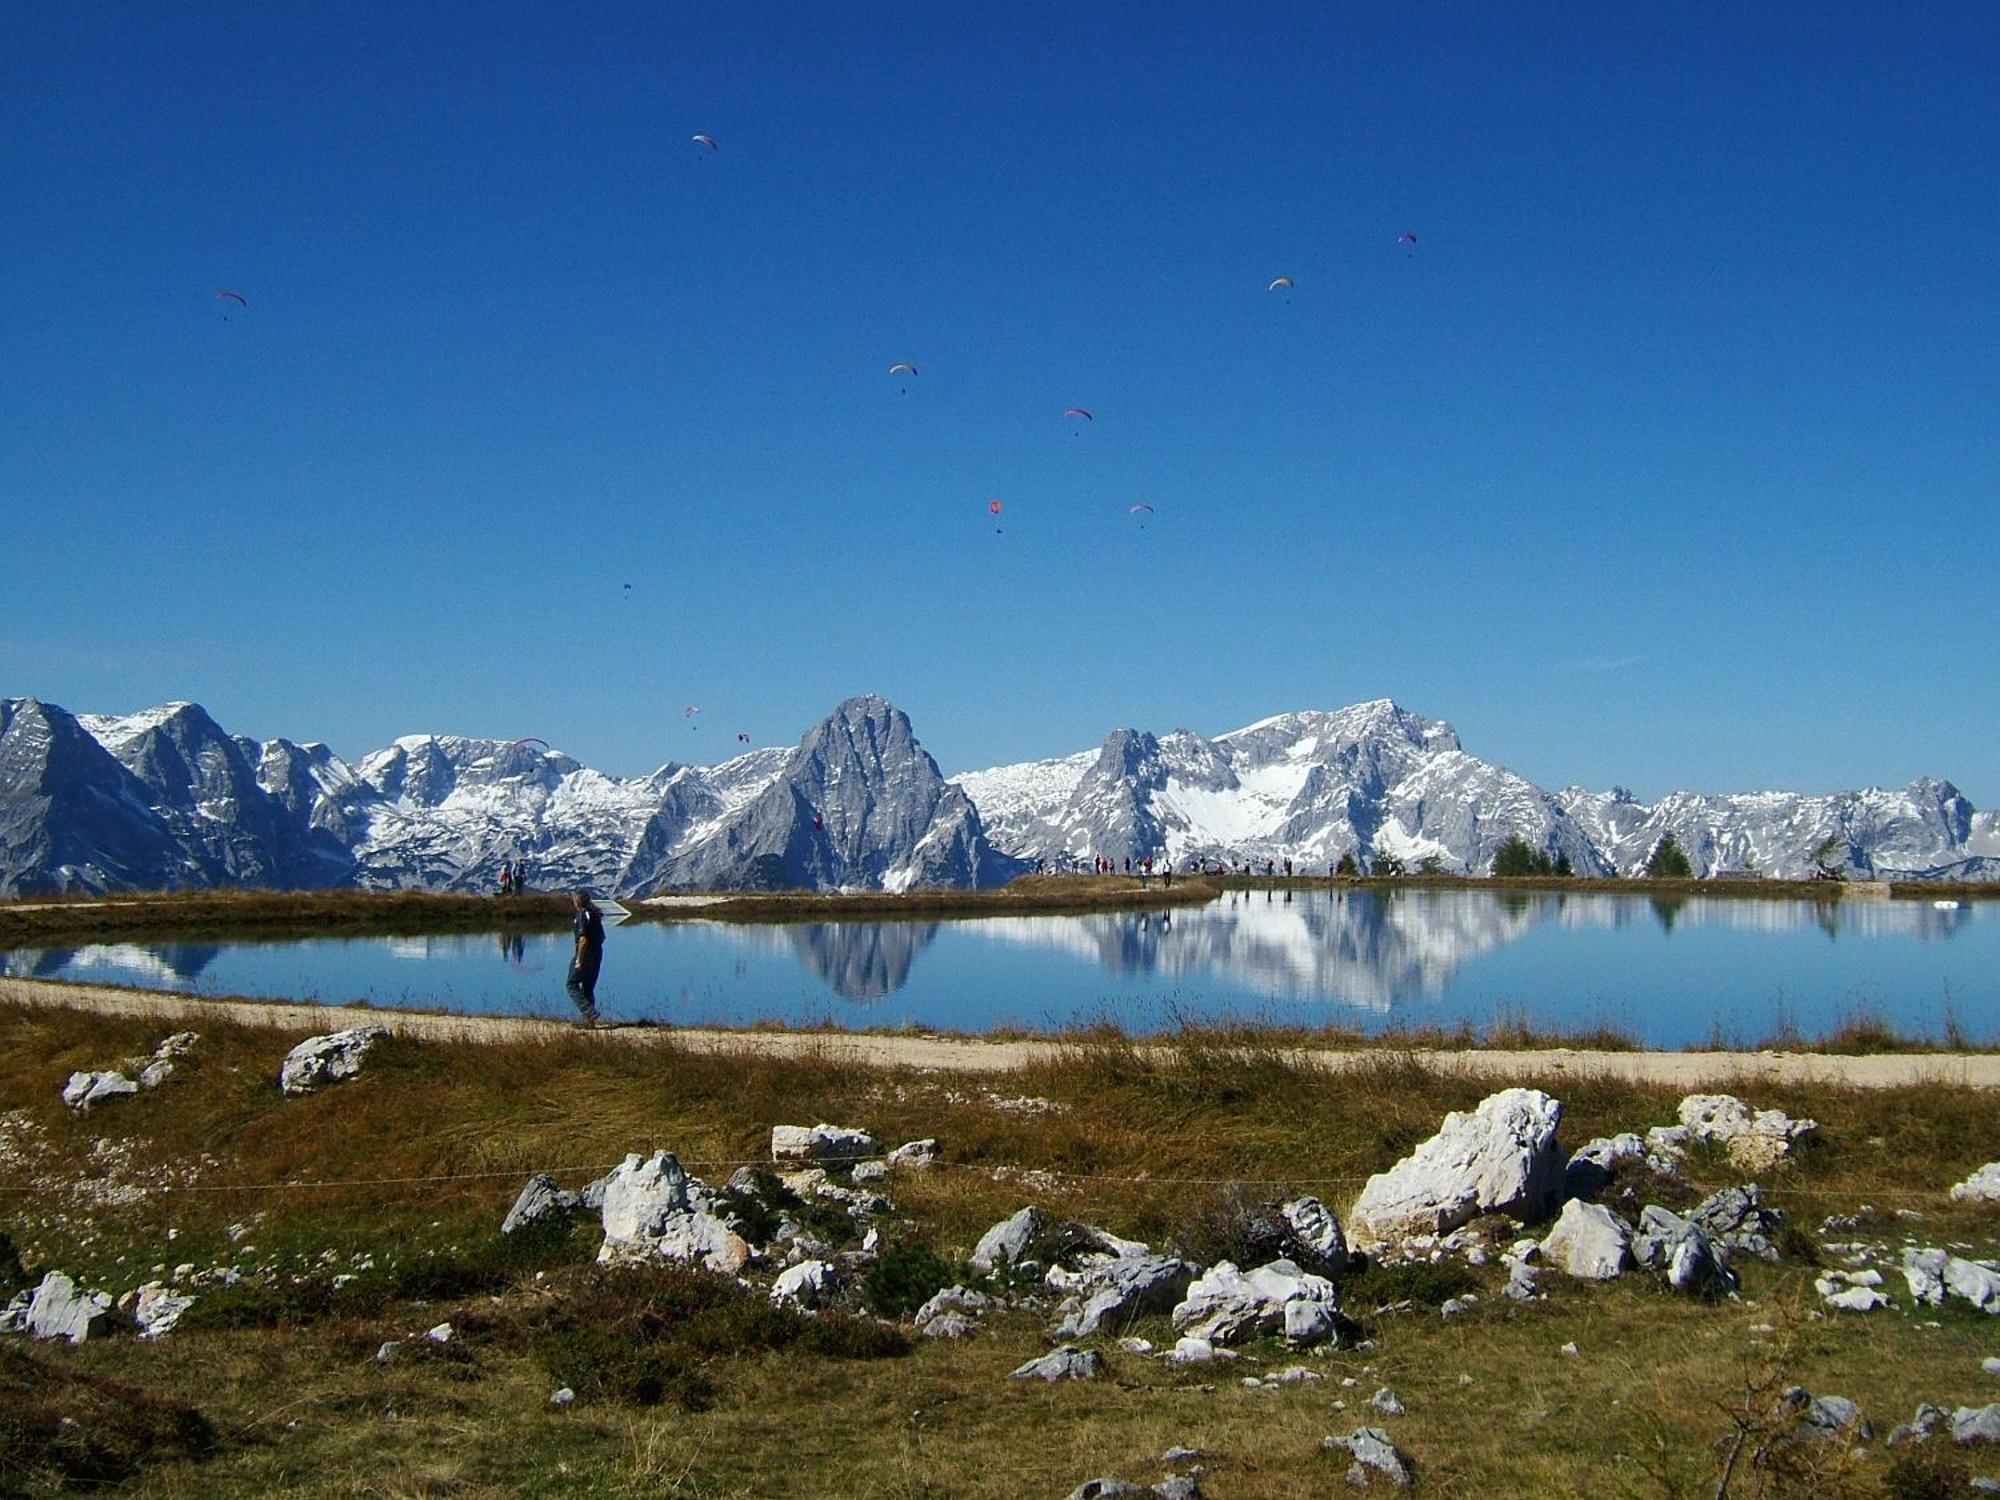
(399, 1178)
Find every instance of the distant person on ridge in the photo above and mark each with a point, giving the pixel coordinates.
(589, 956)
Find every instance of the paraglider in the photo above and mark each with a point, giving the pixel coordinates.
(1281, 284)
(689, 713)
(703, 139)
(903, 367)
(993, 509)
(818, 822)
(237, 297)
(743, 738)
(1141, 509)
(1406, 239)
(1078, 411)
(531, 739)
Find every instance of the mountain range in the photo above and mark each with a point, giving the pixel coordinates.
(167, 798)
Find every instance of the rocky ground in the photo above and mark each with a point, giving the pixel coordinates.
(361, 1263)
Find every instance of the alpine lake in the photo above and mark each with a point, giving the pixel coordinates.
(1665, 971)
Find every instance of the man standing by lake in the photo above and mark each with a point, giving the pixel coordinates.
(588, 926)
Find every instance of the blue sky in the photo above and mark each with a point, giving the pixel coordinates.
(1670, 455)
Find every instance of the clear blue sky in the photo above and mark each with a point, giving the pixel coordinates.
(1670, 455)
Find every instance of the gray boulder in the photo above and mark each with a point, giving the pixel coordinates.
(60, 1309)
(540, 1201)
(1123, 1289)
(86, 1089)
(1065, 1363)
(1826, 1417)
(1373, 1455)
(1500, 1157)
(1927, 1423)
(953, 1299)
(1225, 1305)
(1681, 1248)
(1592, 1165)
(320, 1060)
(1006, 1242)
(820, 1143)
(1756, 1139)
(809, 1284)
(156, 1309)
(1935, 1274)
(948, 1325)
(648, 1212)
(915, 1154)
(1588, 1241)
(1738, 1218)
(1983, 1186)
(1976, 1424)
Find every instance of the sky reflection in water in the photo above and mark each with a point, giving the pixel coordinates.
(1669, 971)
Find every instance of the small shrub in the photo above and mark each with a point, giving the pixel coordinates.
(653, 1335)
(904, 1277)
(1927, 1472)
(13, 1275)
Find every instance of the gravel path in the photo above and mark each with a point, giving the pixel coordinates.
(975, 1055)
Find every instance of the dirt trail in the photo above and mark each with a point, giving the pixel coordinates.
(975, 1055)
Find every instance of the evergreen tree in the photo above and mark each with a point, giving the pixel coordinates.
(1669, 861)
(1515, 857)
(1388, 867)
(1348, 865)
(1562, 866)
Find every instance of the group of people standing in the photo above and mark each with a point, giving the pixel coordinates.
(513, 878)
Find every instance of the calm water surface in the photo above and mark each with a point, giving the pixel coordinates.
(1672, 972)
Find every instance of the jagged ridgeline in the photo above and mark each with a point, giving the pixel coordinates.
(168, 798)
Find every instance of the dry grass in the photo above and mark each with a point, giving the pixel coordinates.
(1157, 1133)
(218, 914)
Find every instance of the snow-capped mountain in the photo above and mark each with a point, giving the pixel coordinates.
(167, 798)
(1375, 779)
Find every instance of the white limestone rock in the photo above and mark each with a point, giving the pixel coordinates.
(1005, 1242)
(86, 1089)
(1983, 1186)
(539, 1201)
(1373, 1454)
(1226, 1306)
(1501, 1157)
(809, 1284)
(915, 1154)
(329, 1058)
(649, 1211)
(1122, 1289)
(1756, 1139)
(156, 1309)
(60, 1309)
(1935, 1274)
(1065, 1363)
(1588, 1241)
(820, 1143)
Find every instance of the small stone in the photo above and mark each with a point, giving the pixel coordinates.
(949, 1325)
(1387, 1402)
(1132, 1345)
(871, 1171)
(1373, 1453)
(1990, 1364)
(388, 1352)
(1569, 1349)
(915, 1154)
(561, 1397)
(1065, 1363)
(442, 1334)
